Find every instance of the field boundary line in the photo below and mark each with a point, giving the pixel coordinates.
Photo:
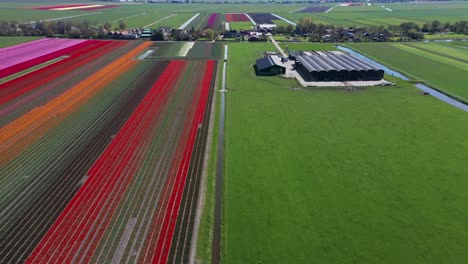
(253, 21)
(204, 176)
(32, 69)
(57, 18)
(132, 16)
(216, 245)
(157, 21)
(184, 25)
(284, 19)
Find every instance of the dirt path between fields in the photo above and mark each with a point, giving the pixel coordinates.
(202, 190)
(216, 246)
(58, 18)
(155, 22)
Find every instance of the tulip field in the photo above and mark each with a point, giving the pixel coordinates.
(100, 153)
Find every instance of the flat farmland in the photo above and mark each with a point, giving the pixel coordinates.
(376, 15)
(240, 25)
(100, 153)
(145, 14)
(373, 176)
(443, 66)
(185, 50)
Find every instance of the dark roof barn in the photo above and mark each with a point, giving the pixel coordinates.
(269, 65)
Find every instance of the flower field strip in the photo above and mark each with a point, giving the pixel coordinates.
(154, 171)
(54, 87)
(5, 151)
(26, 56)
(182, 85)
(168, 82)
(182, 238)
(236, 17)
(45, 91)
(139, 202)
(23, 45)
(123, 148)
(86, 247)
(79, 56)
(211, 23)
(17, 68)
(63, 173)
(37, 122)
(263, 18)
(31, 69)
(168, 220)
(25, 130)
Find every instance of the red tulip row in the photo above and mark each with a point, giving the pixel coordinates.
(236, 17)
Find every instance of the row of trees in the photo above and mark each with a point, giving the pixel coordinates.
(192, 34)
(407, 30)
(305, 27)
(51, 28)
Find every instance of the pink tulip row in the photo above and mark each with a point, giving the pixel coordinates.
(27, 51)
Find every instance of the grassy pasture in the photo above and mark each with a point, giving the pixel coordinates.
(437, 64)
(280, 22)
(445, 36)
(459, 44)
(200, 21)
(376, 176)
(240, 25)
(10, 41)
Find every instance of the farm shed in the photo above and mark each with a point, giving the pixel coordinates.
(269, 65)
(333, 66)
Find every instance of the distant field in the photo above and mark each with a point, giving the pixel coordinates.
(144, 14)
(440, 65)
(341, 177)
(185, 50)
(376, 15)
(445, 36)
(10, 41)
(240, 25)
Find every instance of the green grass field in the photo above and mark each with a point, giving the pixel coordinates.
(445, 36)
(240, 25)
(440, 65)
(144, 14)
(10, 41)
(328, 176)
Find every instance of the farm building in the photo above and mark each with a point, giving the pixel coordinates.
(334, 66)
(269, 65)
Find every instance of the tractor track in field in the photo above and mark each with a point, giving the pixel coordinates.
(438, 53)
